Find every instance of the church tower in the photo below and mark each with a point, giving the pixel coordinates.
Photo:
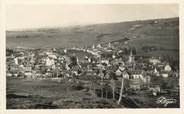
(131, 57)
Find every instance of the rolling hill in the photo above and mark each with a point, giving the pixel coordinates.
(161, 33)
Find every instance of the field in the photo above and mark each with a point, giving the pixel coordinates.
(161, 33)
(31, 94)
(49, 94)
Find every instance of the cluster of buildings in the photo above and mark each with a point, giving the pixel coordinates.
(99, 62)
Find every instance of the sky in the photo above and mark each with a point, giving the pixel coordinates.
(26, 16)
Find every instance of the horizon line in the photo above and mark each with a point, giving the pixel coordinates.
(83, 25)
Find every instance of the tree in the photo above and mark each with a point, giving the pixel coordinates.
(121, 91)
(134, 51)
(113, 83)
(73, 60)
(113, 86)
(125, 51)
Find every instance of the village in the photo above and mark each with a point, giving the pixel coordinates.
(112, 72)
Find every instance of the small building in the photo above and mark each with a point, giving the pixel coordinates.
(28, 68)
(136, 74)
(49, 62)
(146, 79)
(154, 61)
(135, 84)
(175, 74)
(118, 72)
(167, 68)
(156, 72)
(99, 46)
(155, 89)
(8, 74)
(16, 61)
(165, 74)
(125, 75)
(28, 74)
(13, 68)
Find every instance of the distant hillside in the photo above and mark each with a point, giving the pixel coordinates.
(162, 33)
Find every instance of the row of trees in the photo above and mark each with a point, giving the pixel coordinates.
(109, 88)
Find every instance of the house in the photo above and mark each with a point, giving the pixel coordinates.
(164, 74)
(146, 79)
(65, 51)
(8, 74)
(14, 68)
(15, 74)
(108, 74)
(135, 84)
(28, 74)
(118, 72)
(155, 89)
(16, 61)
(93, 47)
(104, 61)
(116, 61)
(156, 72)
(48, 74)
(27, 68)
(175, 74)
(113, 56)
(76, 70)
(167, 68)
(66, 59)
(136, 74)
(67, 67)
(109, 45)
(52, 57)
(49, 62)
(99, 46)
(125, 75)
(154, 61)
